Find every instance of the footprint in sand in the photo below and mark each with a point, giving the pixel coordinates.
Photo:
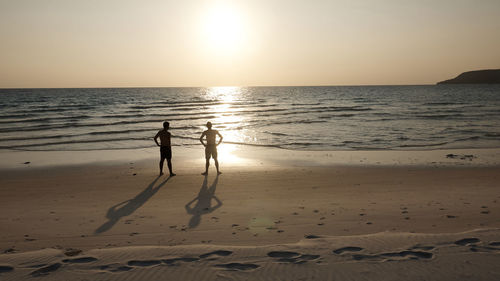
(292, 257)
(282, 254)
(6, 268)
(312, 236)
(467, 241)
(10, 250)
(221, 253)
(403, 255)
(309, 257)
(175, 261)
(143, 263)
(347, 249)
(46, 270)
(237, 266)
(80, 260)
(115, 268)
(425, 248)
(70, 252)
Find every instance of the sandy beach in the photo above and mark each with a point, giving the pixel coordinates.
(272, 215)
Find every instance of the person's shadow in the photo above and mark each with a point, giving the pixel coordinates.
(125, 208)
(203, 203)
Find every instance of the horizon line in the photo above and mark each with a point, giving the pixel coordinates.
(251, 86)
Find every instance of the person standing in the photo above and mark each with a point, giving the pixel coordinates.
(165, 147)
(210, 147)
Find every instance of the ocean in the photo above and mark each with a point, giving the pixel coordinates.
(296, 118)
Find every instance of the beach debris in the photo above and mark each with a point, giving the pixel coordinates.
(461, 157)
(27, 162)
(451, 216)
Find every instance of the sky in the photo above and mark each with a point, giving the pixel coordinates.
(153, 43)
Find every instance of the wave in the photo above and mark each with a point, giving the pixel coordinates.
(70, 142)
(422, 145)
(441, 103)
(438, 116)
(64, 126)
(174, 105)
(16, 115)
(46, 119)
(327, 117)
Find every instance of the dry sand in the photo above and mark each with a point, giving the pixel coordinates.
(272, 215)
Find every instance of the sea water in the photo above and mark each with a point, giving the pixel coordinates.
(297, 118)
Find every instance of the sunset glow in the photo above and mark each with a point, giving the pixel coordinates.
(208, 43)
(223, 29)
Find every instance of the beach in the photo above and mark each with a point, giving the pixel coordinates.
(273, 214)
(356, 140)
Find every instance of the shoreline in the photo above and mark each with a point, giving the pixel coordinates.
(231, 155)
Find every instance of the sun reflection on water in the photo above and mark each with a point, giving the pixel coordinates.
(227, 120)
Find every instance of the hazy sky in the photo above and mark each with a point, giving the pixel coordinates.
(122, 43)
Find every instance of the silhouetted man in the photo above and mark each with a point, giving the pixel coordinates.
(165, 148)
(210, 146)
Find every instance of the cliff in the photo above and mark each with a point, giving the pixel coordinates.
(488, 76)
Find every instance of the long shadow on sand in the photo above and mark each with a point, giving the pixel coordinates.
(203, 202)
(125, 208)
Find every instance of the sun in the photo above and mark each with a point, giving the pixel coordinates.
(223, 28)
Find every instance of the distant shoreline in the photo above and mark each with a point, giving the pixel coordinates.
(486, 76)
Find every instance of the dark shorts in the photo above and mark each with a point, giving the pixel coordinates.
(166, 152)
(211, 151)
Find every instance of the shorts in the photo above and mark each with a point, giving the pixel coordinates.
(166, 152)
(211, 151)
